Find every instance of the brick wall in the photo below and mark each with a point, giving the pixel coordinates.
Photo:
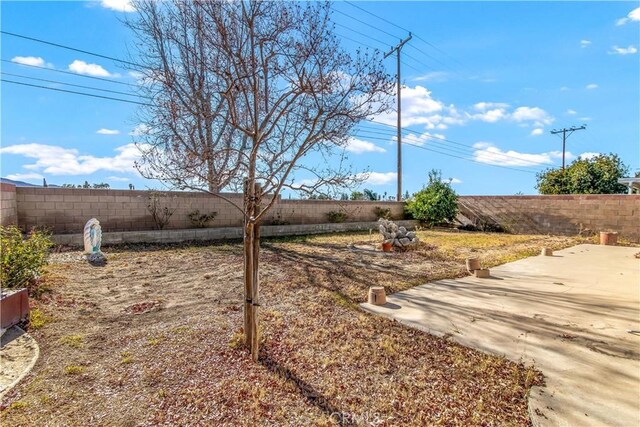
(565, 214)
(65, 210)
(8, 205)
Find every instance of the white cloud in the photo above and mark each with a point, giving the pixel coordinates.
(118, 5)
(95, 70)
(452, 180)
(419, 140)
(534, 114)
(378, 178)
(591, 86)
(571, 112)
(104, 131)
(359, 146)
(585, 43)
(29, 60)
(141, 129)
(585, 119)
(588, 155)
(434, 76)
(55, 160)
(490, 154)
(537, 131)
(634, 15)
(491, 116)
(484, 106)
(564, 89)
(418, 108)
(615, 50)
(118, 178)
(25, 176)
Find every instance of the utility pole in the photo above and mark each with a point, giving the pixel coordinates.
(397, 49)
(566, 133)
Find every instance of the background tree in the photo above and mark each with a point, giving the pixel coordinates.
(595, 175)
(241, 95)
(436, 203)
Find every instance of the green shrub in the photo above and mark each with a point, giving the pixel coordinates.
(336, 216)
(22, 258)
(436, 203)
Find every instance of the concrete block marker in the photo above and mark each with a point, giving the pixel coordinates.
(546, 252)
(482, 273)
(377, 295)
(474, 268)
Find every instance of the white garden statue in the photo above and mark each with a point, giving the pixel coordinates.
(92, 241)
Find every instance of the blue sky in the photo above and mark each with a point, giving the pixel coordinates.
(485, 83)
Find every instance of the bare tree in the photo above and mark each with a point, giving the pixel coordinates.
(248, 94)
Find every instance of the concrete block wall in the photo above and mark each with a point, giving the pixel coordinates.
(561, 214)
(8, 205)
(66, 210)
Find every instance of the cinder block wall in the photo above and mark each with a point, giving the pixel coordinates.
(8, 205)
(64, 210)
(562, 214)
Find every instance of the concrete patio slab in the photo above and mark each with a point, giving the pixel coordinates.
(568, 314)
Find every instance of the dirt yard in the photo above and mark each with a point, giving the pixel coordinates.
(153, 338)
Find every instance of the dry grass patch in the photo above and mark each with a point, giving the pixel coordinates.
(322, 362)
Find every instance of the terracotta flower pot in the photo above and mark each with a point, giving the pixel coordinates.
(387, 247)
(608, 238)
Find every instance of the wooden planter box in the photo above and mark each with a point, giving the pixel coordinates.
(14, 307)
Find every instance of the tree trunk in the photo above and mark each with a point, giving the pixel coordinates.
(248, 264)
(256, 278)
(252, 202)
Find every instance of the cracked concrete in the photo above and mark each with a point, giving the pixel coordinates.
(568, 314)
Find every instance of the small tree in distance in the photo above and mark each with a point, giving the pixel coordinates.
(595, 175)
(436, 203)
(241, 94)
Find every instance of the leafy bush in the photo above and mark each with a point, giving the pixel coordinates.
(201, 220)
(384, 213)
(595, 175)
(436, 203)
(22, 259)
(336, 216)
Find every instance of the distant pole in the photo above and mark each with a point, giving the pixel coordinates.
(566, 133)
(397, 49)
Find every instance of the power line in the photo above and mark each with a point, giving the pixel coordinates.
(362, 34)
(66, 72)
(74, 92)
(457, 157)
(470, 147)
(365, 23)
(356, 41)
(455, 149)
(74, 85)
(406, 30)
(377, 16)
(86, 52)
